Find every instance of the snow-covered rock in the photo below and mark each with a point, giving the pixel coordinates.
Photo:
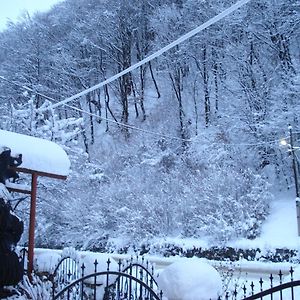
(190, 279)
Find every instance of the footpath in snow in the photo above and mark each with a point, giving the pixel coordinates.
(279, 230)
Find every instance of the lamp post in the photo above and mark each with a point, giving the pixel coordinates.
(295, 170)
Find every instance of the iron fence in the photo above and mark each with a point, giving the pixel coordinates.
(278, 292)
(66, 271)
(23, 254)
(132, 281)
(135, 280)
(274, 289)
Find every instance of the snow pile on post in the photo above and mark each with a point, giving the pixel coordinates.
(37, 154)
(190, 279)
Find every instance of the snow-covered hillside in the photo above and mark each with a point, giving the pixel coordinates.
(185, 148)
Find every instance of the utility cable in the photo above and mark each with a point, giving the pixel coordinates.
(181, 39)
(94, 115)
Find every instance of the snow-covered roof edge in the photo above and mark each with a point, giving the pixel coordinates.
(37, 154)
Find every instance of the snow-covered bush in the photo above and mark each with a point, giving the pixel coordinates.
(150, 192)
(36, 289)
(47, 124)
(233, 199)
(232, 205)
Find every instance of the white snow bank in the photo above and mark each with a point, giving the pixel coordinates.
(47, 261)
(38, 154)
(190, 279)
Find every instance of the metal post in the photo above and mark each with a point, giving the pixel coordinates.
(295, 178)
(298, 215)
(32, 223)
(294, 162)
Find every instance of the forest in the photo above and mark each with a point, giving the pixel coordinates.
(185, 146)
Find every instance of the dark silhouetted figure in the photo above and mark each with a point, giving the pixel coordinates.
(7, 163)
(11, 229)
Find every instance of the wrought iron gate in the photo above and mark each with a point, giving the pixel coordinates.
(131, 282)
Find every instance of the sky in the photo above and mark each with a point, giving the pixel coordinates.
(12, 9)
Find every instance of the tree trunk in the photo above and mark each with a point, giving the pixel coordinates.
(176, 83)
(205, 87)
(154, 80)
(88, 99)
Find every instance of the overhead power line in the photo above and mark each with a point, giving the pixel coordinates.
(275, 141)
(93, 114)
(183, 38)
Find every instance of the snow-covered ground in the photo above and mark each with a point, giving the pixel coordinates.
(280, 229)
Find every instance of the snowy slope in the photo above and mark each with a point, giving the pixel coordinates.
(280, 229)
